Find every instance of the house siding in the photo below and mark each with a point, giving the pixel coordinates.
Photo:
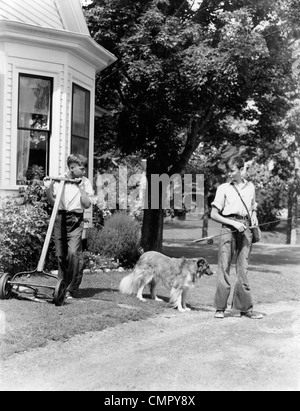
(47, 38)
(36, 12)
(64, 130)
(8, 126)
(63, 123)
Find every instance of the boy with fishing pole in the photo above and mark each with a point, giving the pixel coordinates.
(235, 207)
(69, 222)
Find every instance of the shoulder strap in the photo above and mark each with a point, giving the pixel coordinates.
(242, 200)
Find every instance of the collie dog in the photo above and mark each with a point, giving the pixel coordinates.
(179, 274)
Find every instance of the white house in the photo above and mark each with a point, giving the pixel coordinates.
(48, 64)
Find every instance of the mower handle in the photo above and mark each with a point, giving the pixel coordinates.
(66, 180)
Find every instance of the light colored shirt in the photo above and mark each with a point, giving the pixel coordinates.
(71, 197)
(228, 202)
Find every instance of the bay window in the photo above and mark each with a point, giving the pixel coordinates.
(34, 127)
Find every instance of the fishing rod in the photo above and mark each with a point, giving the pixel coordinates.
(211, 238)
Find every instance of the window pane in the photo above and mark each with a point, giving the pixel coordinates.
(81, 112)
(32, 155)
(34, 103)
(80, 146)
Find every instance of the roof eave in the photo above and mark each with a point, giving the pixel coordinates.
(80, 44)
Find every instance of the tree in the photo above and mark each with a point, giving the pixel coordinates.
(181, 73)
(287, 165)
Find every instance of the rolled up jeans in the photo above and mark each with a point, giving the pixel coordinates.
(231, 243)
(68, 230)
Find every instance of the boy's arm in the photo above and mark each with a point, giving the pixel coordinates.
(85, 197)
(216, 216)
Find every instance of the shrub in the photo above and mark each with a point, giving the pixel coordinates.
(100, 216)
(23, 226)
(120, 238)
(94, 262)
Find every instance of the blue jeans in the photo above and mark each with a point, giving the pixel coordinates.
(68, 230)
(232, 243)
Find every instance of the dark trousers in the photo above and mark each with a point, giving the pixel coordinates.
(68, 230)
(232, 243)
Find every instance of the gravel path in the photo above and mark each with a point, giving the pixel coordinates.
(174, 351)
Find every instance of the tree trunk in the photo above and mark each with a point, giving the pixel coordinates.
(292, 217)
(205, 217)
(153, 222)
(152, 231)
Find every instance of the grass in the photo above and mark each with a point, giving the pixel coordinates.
(31, 324)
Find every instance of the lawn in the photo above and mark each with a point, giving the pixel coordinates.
(33, 324)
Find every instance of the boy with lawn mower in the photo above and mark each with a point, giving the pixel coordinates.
(69, 222)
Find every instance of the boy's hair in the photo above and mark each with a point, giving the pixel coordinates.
(236, 161)
(76, 159)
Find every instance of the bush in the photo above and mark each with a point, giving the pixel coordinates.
(120, 238)
(94, 262)
(23, 226)
(34, 194)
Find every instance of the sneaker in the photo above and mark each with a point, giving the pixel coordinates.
(252, 315)
(69, 296)
(220, 314)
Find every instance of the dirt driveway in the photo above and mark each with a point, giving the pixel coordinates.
(173, 351)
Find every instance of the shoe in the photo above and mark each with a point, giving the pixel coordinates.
(69, 296)
(220, 314)
(252, 315)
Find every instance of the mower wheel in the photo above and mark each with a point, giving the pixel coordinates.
(60, 293)
(5, 287)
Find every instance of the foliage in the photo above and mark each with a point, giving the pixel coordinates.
(35, 194)
(23, 225)
(94, 262)
(119, 239)
(271, 195)
(100, 215)
(129, 169)
(206, 64)
(35, 172)
(22, 233)
(212, 76)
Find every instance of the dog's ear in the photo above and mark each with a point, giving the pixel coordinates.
(201, 262)
(200, 265)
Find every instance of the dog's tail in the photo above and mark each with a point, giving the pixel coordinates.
(128, 284)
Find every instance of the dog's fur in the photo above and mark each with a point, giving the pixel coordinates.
(179, 274)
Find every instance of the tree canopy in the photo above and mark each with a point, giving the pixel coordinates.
(186, 76)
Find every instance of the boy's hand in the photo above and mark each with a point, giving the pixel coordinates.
(239, 226)
(80, 184)
(254, 220)
(48, 183)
